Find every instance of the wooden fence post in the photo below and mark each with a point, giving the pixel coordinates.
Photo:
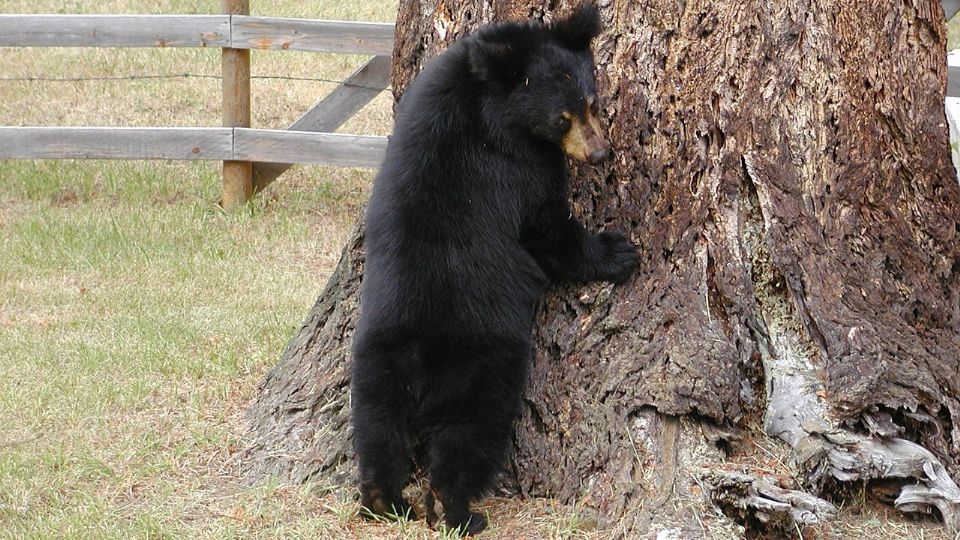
(237, 175)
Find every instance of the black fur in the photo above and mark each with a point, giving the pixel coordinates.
(576, 31)
(467, 224)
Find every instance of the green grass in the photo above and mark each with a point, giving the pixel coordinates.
(135, 321)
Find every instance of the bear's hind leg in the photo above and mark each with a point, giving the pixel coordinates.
(467, 422)
(385, 460)
(466, 453)
(459, 473)
(382, 440)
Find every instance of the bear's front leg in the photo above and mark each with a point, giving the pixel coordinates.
(569, 253)
(614, 258)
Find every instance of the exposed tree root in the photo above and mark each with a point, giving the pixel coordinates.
(759, 503)
(798, 414)
(830, 456)
(666, 476)
(673, 453)
(849, 457)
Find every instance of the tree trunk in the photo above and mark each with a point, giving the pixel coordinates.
(784, 168)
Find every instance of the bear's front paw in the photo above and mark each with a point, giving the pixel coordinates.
(618, 258)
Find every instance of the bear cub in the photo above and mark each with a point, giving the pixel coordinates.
(467, 225)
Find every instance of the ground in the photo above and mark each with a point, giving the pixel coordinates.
(136, 318)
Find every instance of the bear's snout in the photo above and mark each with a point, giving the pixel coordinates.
(584, 140)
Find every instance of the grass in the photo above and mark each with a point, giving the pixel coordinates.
(136, 318)
(134, 326)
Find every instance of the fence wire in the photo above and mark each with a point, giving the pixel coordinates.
(182, 76)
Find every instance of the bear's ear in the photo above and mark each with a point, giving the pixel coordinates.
(497, 61)
(581, 26)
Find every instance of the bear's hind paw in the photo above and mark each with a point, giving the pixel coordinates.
(473, 525)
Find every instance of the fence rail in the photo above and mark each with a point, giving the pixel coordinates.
(115, 30)
(224, 31)
(115, 143)
(309, 35)
(191, 143)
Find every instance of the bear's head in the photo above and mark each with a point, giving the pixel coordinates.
(539, 81)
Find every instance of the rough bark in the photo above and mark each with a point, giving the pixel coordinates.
(785, 169)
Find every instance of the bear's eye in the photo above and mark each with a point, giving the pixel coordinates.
(563, 122)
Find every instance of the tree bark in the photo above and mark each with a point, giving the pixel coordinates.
(784, 168)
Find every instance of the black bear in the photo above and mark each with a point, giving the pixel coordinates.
(467, 224)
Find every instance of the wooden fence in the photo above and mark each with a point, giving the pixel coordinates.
(252, 157)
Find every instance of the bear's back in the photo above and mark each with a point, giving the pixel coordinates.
(444, 219)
